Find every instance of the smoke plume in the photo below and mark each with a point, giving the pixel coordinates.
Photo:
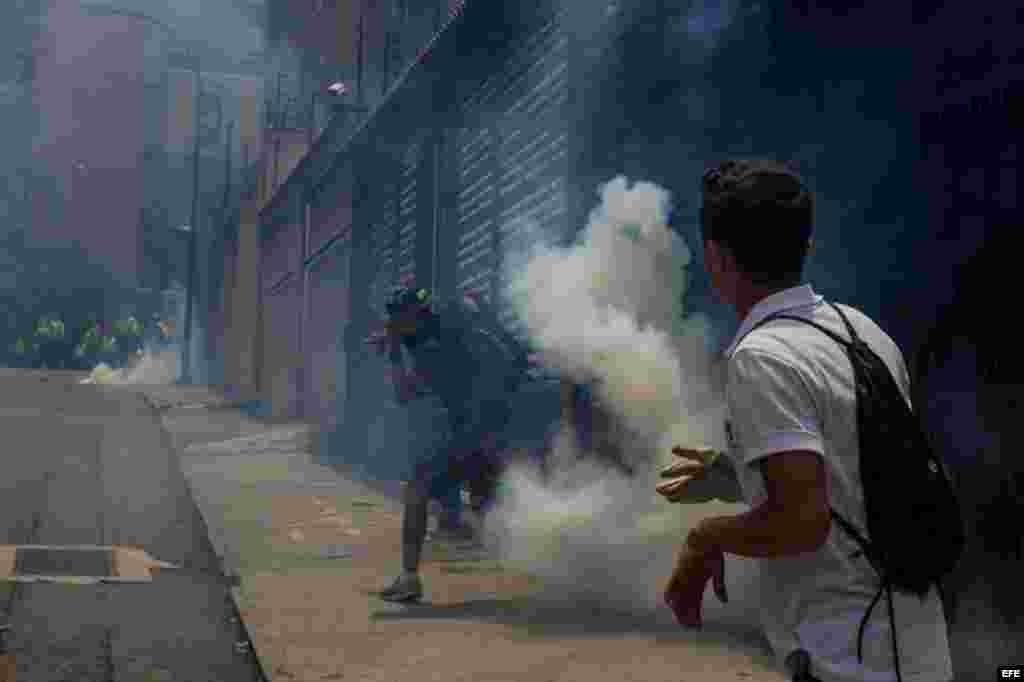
(607, 311)
(157, 364)
(151, 367)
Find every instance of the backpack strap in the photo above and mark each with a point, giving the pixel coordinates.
(846, 321)
(854, 337)
(828, 332)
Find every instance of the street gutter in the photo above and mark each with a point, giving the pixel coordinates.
(230, 581)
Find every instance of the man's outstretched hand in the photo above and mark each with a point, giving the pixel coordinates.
(686, 479)
(684, 593)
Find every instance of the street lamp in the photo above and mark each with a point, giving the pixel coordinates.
(113, 10)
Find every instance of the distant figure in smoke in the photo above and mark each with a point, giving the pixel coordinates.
(598, 429)
(794, 453)
(472, 368)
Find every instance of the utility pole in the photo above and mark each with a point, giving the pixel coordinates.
(190, 287)
(312, 120)
(228, 163)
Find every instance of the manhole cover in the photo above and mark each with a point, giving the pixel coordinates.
(64, 562)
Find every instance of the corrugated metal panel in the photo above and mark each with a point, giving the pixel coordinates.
(408, 190)
(383, 239)
(511, 162)
(475, 258)
(393, 234)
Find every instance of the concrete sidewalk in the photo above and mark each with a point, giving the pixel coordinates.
(309, 547)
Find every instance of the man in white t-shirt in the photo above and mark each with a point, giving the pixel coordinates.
(793, 452)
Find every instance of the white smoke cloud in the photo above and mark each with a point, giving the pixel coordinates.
(151, 367)
(607, 310)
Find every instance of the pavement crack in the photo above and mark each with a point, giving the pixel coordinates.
(37, 524)
(101, 498)
(108, 655)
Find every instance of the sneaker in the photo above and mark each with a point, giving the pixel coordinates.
(405, 588)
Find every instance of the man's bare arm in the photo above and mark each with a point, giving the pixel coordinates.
(793, 519)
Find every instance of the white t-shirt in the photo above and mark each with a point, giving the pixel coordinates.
(791, 387)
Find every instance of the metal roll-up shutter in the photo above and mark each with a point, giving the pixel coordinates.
(408, 189)
(511, 163)
(394, 234)
(475, 257)
(383, 251)
(533, 156)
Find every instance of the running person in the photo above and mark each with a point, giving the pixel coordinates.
(472, 369)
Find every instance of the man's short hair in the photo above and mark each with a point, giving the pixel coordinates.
(762, 211)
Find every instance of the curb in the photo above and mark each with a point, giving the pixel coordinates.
(230, 580)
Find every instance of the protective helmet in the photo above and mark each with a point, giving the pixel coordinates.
(404, 297)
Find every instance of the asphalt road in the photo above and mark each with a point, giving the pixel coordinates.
(91, 465)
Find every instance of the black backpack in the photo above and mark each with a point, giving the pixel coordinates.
(915, 532)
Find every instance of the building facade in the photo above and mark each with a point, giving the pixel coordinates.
(91, 90)
(305, 244)
(99, 102)
(21, 32)
(353, 219)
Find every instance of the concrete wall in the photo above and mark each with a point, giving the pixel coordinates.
(282, 312)
(327, 315)
(283, 150)
(242, 308)
(90, 91)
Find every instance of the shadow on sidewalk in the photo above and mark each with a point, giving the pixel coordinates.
(538, 617)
